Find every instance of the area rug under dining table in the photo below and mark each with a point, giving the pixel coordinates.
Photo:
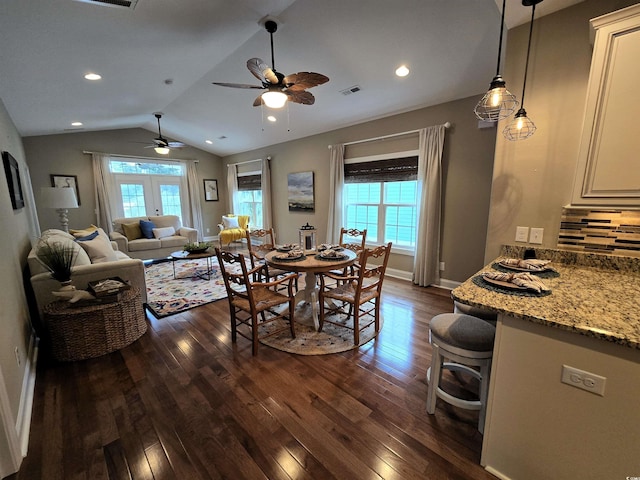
(168, 296)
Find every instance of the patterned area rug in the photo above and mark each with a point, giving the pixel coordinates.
(168, 296)
(332, 339)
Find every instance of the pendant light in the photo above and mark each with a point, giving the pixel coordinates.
(498, 102)
(521, 127)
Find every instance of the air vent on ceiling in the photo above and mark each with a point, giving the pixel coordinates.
(112, 3)
(350, 90)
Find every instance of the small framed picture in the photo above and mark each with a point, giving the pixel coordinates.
(12, 172)
(211, 190)
(66, 181)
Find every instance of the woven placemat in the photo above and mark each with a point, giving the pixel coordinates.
(481, 282)
(544, 274)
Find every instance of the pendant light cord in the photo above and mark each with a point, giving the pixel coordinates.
(526, 65)
(504, 4)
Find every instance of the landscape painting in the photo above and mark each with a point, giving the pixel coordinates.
(300, 186)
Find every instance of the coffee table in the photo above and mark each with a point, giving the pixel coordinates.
(182, 255)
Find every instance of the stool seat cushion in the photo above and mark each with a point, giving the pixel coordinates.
(475, 311)
(463, 331)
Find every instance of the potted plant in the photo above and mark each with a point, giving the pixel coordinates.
(58, 258)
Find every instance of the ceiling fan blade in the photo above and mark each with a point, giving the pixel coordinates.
(303, 80)
(258, 101)
(176, 145)
(262, 71)
(238, 85)
(303, 97)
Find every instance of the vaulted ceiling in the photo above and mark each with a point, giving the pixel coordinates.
(163, 55)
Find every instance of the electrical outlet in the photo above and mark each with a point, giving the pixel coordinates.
(17, 352)
(585, 380)
(536, 235)
(441, 266)
(522, 234)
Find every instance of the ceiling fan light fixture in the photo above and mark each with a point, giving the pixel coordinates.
(274, 99)
(162, 150)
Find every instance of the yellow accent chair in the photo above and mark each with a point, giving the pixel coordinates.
(233, 228)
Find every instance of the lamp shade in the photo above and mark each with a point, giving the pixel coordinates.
(274, 99)
(162, 150)
(53, 197)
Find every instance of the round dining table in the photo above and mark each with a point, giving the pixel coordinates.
(311, 263)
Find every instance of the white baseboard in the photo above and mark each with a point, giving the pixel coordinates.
(16, 436)
(450, 284)
(23, 425)
(496, 473)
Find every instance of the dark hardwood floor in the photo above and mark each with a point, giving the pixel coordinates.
(183, 402)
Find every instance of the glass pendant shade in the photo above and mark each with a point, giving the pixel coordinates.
(274, 99)
(497, 103)
(520, 128)
(162, 150)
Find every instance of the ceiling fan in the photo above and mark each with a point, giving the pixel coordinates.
(279, 88)
(161, 145)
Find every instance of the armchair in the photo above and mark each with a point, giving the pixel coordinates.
(232, 228)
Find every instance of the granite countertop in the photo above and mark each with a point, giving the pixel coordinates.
(593, 295)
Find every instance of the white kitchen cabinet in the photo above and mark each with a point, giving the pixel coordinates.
(608, 169)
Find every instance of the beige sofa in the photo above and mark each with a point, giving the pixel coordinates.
(167, 236)
(95, 259)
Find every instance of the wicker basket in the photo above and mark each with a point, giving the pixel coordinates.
(81, 332)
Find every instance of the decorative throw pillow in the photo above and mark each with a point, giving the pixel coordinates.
(132, 230)
(230, 222)
(99, 248)
(147, 228)
(164, 232)
(88, 237)
(84, 232)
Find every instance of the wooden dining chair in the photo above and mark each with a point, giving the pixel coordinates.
(253, 303)
(260, 242)
(355, 295)
(353, 239)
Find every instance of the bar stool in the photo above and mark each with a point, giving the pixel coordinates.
(478, 312)
(459, 343)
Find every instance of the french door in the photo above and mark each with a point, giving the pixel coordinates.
(140, 195)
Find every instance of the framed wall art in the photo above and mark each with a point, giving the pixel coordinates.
(300, 189)
(211, 190)
(12, 172)
(66, 181)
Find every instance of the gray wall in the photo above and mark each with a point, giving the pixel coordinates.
(533, 178)
(15, 327)
(62, 155)
(467, 166)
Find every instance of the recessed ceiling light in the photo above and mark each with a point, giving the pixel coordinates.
(402, 71)
(208, 142)
(271, 118)
(76, 124)
(92, 76)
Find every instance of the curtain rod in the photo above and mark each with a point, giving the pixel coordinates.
(250, 161)
(87, 152)
(384, 137)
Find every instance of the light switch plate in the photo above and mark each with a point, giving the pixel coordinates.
(536, 235)
(522, 234)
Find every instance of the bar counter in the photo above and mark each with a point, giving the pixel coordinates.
(537, 425)
(594, 295)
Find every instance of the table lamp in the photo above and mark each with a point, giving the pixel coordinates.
(62, 199)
